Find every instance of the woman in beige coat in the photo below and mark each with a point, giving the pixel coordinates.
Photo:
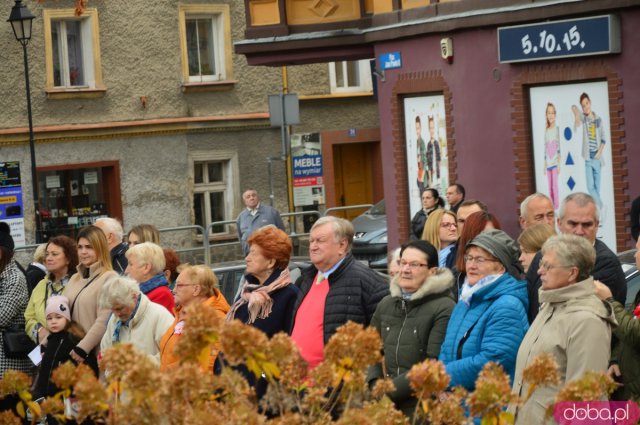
(83, 289)
(573, 324)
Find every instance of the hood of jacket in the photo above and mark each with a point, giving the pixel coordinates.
(504, 285)
(438, 283)
(578, 297)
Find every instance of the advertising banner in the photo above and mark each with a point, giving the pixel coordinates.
(11, 206)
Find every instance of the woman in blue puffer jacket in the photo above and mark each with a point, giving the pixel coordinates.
(490, 319)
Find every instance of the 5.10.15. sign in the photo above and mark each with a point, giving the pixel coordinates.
(551, 40)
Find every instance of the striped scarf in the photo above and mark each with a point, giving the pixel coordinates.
(258, 299)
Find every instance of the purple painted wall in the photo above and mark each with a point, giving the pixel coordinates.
(481, 113)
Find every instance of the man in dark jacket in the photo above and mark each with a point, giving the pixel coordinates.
(112, 229)
(579, 215)
(335, 290)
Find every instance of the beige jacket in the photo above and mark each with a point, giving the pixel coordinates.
(83, 291)
(573, 325)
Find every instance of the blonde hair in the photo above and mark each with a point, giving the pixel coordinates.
(202, 276)
(148, 253)
(98, 242)
(533, 237)
(431, 232)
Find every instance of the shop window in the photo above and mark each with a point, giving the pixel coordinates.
(74, 196)
(72, 50)
(350, 76)
(216, 190)
(205, 42)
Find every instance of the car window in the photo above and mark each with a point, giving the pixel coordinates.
(378, 209)
(633, 286)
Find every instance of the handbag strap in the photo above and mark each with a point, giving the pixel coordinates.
(78, 295)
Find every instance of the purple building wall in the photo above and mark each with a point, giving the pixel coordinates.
(481, 114)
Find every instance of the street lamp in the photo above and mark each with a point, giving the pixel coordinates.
(20, 20)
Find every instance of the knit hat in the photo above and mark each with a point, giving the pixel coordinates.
(60, 305)
(500, 245)
(5, 236)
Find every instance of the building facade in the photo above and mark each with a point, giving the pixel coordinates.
(488, 94)
(146, 114)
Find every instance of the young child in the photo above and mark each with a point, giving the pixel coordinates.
(64, 335)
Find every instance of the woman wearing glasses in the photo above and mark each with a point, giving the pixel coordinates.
(412, 320)
(441, 231)
(573, 325)
(490, 319)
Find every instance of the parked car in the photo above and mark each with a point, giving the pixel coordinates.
(370, 237)
(231, 275)
(632, 276)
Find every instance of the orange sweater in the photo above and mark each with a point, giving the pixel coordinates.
(168, 358)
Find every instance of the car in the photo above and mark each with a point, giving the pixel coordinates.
(231, 275)
(632, 276)
(370, 237)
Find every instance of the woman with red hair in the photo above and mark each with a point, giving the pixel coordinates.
(268, 297)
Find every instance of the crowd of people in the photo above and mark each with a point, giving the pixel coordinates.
(460, 290)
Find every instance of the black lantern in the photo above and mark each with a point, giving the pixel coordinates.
(20, 20)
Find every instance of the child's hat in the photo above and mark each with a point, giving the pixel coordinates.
(60, 305)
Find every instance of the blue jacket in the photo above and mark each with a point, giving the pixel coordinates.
(489, 329)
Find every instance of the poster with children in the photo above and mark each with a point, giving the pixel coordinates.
(572, 147)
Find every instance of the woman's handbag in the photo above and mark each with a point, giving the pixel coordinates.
(16, 343)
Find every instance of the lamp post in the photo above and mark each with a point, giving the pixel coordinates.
(20, 20)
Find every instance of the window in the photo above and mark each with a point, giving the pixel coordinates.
(72, 50)
(350, 76)
(205, 42)
(215, 188)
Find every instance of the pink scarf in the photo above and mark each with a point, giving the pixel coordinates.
(258, 299)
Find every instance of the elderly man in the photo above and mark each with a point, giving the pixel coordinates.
(112, 229)
(467, 208)
(335, 290)
(455, 196)
(579, 215)
(254, 216)
(535, 209)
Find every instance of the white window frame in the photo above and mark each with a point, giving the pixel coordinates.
(230, 184)
(221, 30)
(90, 46)
(364, 77)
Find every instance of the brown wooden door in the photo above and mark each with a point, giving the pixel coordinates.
(353, 176)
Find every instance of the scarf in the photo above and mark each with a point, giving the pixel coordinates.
(119, 323)
(257, 297)
(153, 283)
(468, 290)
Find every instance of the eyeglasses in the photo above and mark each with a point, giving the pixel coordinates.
(478, 260)
(180, 285)
(448, 225)
(547, 267)
(412, 266)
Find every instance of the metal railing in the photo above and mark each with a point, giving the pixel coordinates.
(202, 242)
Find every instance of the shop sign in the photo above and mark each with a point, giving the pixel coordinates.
(11, 206)
(307, 170)
(559, 39)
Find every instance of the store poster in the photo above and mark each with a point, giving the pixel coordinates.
(308, 177)
(11, 205)
(427, 155)
(571, 133)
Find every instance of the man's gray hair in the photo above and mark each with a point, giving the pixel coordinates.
(582, 200)
(572, 251)
(524, 205)
(342, 229)
(113, 226)
(120, 290)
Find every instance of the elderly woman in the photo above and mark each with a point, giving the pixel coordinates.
(393, 262)
(172, 263)
(146, 266)
(134, 318)
(573, 325)
(61, 260)
(143, 233)
(531, 240)
(13, 300)
(490, 319)
(83, 290)
(412, 320)
(625, 358)
(195, 284)
(441, 231)
(36, 271)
